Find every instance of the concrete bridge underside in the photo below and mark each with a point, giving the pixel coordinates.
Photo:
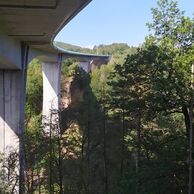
(28, 29)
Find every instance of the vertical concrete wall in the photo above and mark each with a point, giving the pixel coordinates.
(12, 109)
(51, 88)
(12, 102)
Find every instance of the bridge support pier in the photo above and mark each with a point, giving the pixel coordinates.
(12, 105)
(51, 92)
(12, 111)
(90, 65)
(85, 65)
(12, 93)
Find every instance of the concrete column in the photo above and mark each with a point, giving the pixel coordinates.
(11, 102)
(85, 65)
(51, 89)
(12, 109)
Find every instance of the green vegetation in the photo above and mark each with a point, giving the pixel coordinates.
(124, 128)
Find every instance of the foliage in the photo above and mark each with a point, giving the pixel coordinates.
(152, 82)
(125, 128)
(34, 89)
(9, 180)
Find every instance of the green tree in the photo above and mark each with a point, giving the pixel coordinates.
(156, 80)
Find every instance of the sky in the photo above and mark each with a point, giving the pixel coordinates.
(111, 21)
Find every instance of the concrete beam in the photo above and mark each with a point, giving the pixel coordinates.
(10, 53)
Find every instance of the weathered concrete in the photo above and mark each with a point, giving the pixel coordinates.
(12, 108)
(12, 101)
(85, 66)
(10, 53)
(51, 89)
(10, 97)
(37, 22)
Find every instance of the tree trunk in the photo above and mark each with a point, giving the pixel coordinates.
(191, 134)
(185, 111)
(122, 144)
(50, 160)
(138, 125)
(88, 146)
(106, 186)
(60, 165)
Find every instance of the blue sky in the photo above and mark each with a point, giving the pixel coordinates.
(110, 21)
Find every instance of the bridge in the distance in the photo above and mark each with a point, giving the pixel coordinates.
(27, 31)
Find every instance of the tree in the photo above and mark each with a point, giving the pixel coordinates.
(9, 178)
(172, 28)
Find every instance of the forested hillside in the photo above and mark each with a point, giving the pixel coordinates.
(125, 128)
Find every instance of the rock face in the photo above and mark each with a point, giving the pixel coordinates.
(71, 93)
(66, 92)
